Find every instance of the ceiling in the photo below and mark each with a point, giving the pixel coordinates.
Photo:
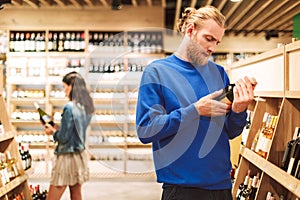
(270, 17)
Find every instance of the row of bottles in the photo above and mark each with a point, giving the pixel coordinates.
(32, 71)
(119, 155)
(106, 41)
(25, 93)
(9, 168)
(16, 196)
(113, 118)
(145, 42)
(107, 67)
(21, 41)
(74, 41)
(38, 115)
(113, 95)
(33, 137)
(66, 41)
(36, 192)
(291, 158)
(263, 138)
(247, 189)
(100, 139)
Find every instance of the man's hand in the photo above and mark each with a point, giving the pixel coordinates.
(243, 94)
(207, 106)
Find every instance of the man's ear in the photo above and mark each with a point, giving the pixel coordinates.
(190, 29)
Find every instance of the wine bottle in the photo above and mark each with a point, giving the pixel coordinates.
(227, 94)
(246, 193)
(264, 127)
(12, 166)
(254, 187)
(44, 117)
(268, 135)
(243, 186)
(287, 155)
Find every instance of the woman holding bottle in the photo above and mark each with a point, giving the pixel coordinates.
(70, 166)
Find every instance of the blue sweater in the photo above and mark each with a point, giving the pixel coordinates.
(188, 149)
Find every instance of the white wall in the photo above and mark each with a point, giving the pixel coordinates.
(236, 43)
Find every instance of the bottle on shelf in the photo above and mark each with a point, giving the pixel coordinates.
(13, 170)
(3, 170)
(243, 186)
(294, 158)
(44, 117)
(246, 129)
(255, 140)
(268, 135)
(254, 187)
(12, 42)
(54, 42)
(260, 137)
(246, 192)
(61, 40)
(290, 149)
(32, 43)
(27, 42)
(50, 41)
(22, 155)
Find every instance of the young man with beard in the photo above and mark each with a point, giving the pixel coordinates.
(177, 113)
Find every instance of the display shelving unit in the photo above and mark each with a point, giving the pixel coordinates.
(277, 93)
(8, 143)
(111, 136)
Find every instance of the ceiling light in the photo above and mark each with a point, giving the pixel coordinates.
(235, 0)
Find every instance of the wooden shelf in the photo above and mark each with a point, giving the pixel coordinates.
(280, 96)
(13, 184)
(6, 136)
(282, 177)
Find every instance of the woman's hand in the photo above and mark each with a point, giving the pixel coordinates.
(49, 130)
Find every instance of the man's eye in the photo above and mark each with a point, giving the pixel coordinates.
(209, 39)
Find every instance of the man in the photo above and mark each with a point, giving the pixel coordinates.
(177, 112)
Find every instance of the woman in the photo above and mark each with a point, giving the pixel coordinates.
(70, 167)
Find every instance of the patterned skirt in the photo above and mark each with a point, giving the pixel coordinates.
(69, 169)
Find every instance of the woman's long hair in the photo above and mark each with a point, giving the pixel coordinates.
(79, 92)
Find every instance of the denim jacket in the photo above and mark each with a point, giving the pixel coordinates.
(72, 132)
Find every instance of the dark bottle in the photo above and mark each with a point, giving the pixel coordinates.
(246, 192)
(44, 117)
(227, 94)
(243, 186)
(54, 42)
(254, 187)
(287, 155)
(12, 42)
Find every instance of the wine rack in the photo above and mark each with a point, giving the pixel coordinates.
(8, 144)
(111, 63)
(277, 94)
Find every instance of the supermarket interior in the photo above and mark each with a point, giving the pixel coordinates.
(110, 43)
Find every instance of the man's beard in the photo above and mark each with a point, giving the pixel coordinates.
(196, 53)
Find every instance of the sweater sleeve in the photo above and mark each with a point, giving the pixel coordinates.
(153, 123)
(235, 123)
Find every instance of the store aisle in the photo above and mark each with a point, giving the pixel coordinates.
(113, 189)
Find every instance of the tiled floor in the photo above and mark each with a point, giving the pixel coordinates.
(113, 189)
